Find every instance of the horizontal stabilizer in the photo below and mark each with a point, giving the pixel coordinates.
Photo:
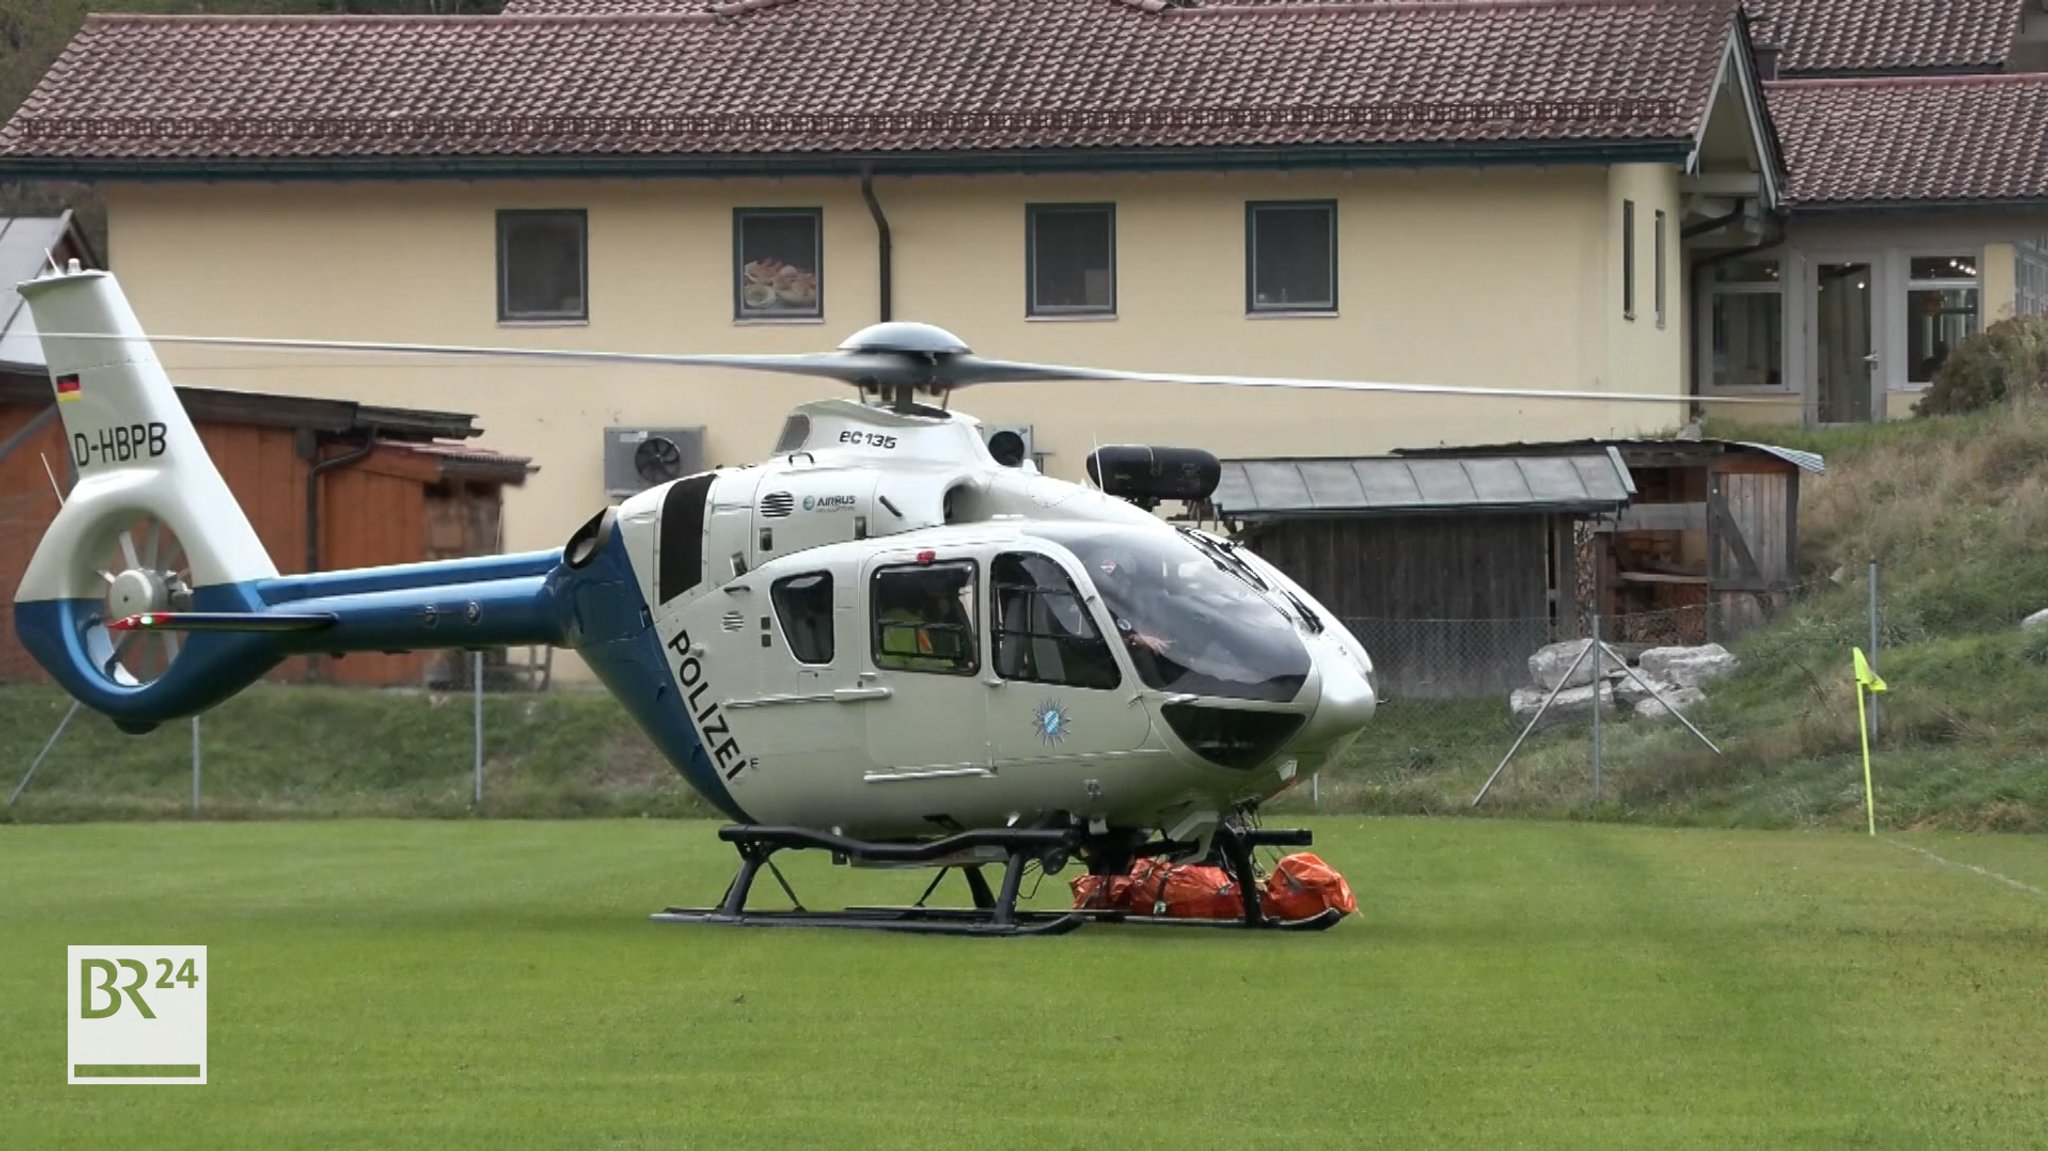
(225, 621)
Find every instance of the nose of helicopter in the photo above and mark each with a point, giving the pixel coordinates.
(1345, 703)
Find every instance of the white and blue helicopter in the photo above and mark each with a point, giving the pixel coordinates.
(882, 641)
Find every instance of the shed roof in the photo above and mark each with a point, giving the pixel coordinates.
(1702, 449)
(1593, 481)
(329, 417)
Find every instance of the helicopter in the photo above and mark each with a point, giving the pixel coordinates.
(881, 641)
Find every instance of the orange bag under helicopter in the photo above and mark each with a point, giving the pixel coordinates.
(1302, 886)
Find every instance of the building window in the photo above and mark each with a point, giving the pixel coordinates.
(1942, 301)
(1070, 259)
(1746, 305)
(1291, 257)
(924, 618)
(1628, 259)
(1658, 249)
(1043, 632)
(778, 258)
(804, 605)
(2032, 271)
(543, 265)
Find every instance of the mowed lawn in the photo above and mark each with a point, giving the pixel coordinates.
(496, 985)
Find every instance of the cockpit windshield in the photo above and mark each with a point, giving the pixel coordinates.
(1193, 621)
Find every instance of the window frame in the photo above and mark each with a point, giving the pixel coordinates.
(1710, 290)
(875, 652)
(1252, 307)
(1628, 260)
(506, 217)
(996, 631)
(1037, 311)
(775, 604)
(1911, 284)
(2030, 275)
(1657, 247)
(738, 270)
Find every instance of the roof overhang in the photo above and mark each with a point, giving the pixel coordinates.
(1916, 207)
(1591, 482)
(1737, 73)
(529, 167)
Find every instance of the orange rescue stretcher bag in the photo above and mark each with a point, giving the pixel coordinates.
(1301, 887)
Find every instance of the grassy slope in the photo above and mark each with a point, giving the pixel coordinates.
(496, 984)
(1955, 510)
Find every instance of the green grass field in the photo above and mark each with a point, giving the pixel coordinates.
(495, 984)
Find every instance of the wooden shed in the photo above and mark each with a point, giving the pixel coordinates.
(1451, 571)
(1709, 547)
(327, 484)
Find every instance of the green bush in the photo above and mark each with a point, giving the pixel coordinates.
(2009, 358)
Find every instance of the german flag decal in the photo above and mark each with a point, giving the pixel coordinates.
(67, 388)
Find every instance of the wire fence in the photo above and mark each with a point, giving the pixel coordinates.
(482, 722)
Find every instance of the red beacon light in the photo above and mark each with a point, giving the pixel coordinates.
(926, 557)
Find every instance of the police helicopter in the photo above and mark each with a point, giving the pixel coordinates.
(881, 641)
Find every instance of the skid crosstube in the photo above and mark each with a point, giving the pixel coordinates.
(995, 913)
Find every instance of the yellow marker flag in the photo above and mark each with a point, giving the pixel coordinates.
(1866, 680)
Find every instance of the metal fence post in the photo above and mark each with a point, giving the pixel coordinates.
(1599, 677)
(476, 675)
(195, 765)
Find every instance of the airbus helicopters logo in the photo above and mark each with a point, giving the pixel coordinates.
(704, 710)
(827, 503)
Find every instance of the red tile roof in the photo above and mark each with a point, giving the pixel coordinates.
(877, 76)
(1948, 139)
(1851, 36)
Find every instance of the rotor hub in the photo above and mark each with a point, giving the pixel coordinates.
(136, 590)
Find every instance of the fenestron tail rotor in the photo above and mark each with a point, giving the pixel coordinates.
(900, 360)
(145, 570)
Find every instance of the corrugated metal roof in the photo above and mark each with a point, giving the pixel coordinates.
(1805, 461)
(1588, 481)
(25, 243)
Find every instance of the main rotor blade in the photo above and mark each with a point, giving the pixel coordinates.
(851, 367)
(969, 371)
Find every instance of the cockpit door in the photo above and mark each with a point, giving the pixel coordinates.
(1057, 691)
(923, 641)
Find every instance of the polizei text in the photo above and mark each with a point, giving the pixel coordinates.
(703, 707)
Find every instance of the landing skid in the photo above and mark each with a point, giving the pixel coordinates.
(994, 912)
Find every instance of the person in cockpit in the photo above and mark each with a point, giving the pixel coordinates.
(1116, 579)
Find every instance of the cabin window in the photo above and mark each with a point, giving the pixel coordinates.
(1070, 259)
(1043, 632)
(778, 263)
(803, 603)
(1746, 322)
(924, 618)
(1941, 311)
(543, 266)
(1291, 256)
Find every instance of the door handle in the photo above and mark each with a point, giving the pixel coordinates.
(1871, 358)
